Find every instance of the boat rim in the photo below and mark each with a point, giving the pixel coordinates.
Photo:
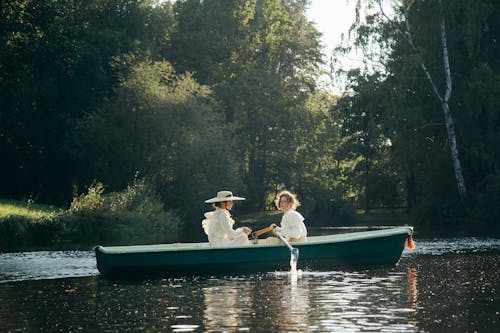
(205, 246)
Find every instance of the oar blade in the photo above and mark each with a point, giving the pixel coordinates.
(295, 252)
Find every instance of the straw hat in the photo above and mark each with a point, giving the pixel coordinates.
(224, 196)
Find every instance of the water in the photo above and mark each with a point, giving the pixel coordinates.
(445, 285)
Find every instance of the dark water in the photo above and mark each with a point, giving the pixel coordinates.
(445, 285)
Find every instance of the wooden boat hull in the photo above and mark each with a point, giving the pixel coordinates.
(358, 249)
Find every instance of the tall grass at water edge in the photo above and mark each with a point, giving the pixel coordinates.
(133, 215)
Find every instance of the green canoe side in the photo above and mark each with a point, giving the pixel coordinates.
(368, 248)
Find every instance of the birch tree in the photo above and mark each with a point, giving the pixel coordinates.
(443, 97)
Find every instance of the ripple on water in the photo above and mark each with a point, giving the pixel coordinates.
(62, 264)
(46, 265)
(439, 246)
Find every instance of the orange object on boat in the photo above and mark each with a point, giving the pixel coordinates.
(409, 244)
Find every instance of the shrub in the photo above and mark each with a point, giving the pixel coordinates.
(19, 231)
(134, 214)
(90, 203)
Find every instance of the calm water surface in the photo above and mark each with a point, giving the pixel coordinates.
(445, 285)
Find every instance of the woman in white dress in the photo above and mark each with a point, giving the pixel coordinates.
(218, 224)
(292, 225)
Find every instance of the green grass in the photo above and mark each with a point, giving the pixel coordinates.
(27, 209)
(26, 225)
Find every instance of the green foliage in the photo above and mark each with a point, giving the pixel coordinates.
(28, 209)
(486, 209)
(19, 232)
(199, 96)
(90, 203)
(409, 114)
(132, 214)
(56, 61)
(365, 150)
(261, 58)
(164, 126)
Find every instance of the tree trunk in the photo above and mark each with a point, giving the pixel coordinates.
(452, 141)
(450, 128)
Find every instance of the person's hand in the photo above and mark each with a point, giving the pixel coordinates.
(277, 229)
(246, 230)
(273, 225)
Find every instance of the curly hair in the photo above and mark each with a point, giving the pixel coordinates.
(290, 197)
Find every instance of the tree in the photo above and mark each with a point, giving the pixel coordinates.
(420, 137)
(443, 98)
(164, 127)
(56, 65)
(365, 147)
(260, 58)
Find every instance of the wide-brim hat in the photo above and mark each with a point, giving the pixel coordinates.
(224, 196)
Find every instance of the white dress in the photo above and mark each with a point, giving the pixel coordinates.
(218, 225)
(293, 227)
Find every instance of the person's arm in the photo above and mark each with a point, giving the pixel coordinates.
(226, 226)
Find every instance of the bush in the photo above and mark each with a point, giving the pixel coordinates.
(19, 231)
(90, 203)
(134, 214)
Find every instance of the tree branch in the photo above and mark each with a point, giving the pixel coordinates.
(446, 61)
(409, 38)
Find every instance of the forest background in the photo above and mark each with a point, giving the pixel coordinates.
(128, 114)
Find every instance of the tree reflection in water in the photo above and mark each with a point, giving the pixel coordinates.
(295, 304)
(425, 292)
(226, 305)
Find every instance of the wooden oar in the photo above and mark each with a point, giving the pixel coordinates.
(257, 233)
(294, 251)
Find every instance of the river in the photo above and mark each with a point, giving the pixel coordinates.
(444, 285)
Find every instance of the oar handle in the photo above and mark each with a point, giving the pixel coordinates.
(257, 233)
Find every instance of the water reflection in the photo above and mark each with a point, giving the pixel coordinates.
(226, 305)
(295, 303)
(157, 305)
(363, 301)
(384, 300)
(411, 289)
(432, 289)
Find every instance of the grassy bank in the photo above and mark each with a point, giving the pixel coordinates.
(97, 219)
(27, 209)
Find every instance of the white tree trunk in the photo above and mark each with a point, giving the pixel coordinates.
(450, 128)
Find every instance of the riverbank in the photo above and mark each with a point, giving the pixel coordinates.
(381, 218)
(25, 225)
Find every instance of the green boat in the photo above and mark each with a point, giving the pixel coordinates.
(356, 249)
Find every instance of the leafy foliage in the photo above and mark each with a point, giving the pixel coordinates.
(199, 96)
(134, 213)
(409, 112)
